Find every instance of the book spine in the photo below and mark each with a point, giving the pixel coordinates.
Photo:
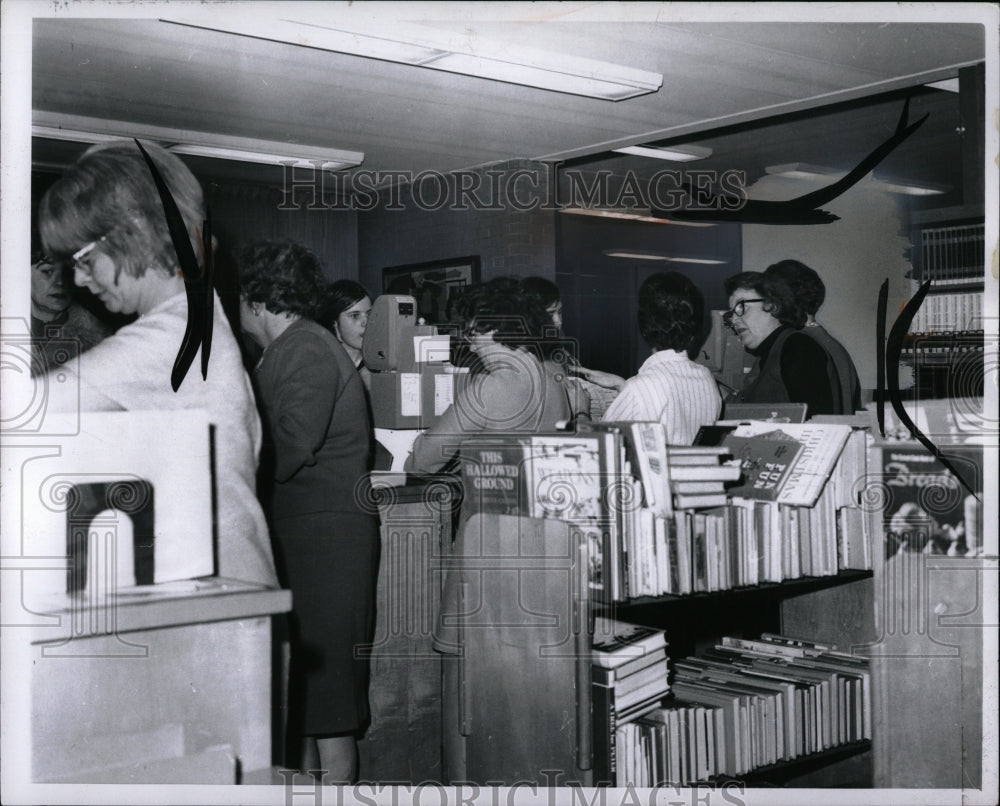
(605, 729)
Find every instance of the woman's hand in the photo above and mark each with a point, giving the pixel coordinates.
(606, 379)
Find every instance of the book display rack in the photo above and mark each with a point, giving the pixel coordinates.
(579, 548)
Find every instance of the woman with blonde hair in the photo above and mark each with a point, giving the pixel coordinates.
(106, 217)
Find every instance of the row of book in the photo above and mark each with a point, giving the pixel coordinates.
(949, 312)
(771, 502)
(745, 704)
(743, 544)
(794, 513)
(954, 253)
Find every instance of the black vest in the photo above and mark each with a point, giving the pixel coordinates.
(764, 385)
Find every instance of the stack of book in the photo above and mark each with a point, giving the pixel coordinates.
(699, 474)
(629, 678)
(744, 705)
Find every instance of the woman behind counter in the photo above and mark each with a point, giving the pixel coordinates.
(790, 367)
(104, 216)
(517, 393)
(326, 539)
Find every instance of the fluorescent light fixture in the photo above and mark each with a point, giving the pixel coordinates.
(465, 53)
(909, 188)
(79, 129)
(673, 153)
(801, 170)
(637, 215)
(637, 255)
(948, 85)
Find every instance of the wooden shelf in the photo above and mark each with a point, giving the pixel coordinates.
(169, 604)
(783, 771)
(791, 587)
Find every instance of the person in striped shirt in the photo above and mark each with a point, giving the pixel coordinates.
(670, 388)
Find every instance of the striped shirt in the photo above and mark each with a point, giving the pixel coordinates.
(669, 388)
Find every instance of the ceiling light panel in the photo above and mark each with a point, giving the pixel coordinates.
(814, 173)
(672, 153)
(79, 129)
(454, 53)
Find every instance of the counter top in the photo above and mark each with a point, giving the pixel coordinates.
(390, 487)
(169, 604)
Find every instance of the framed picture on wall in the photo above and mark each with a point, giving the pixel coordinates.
(436, 285)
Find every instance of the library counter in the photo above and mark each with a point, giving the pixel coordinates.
(155, 684)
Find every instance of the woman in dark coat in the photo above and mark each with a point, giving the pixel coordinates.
(325, 536)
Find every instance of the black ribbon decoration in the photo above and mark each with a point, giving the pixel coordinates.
(197, 282)
(802, 209)
(883, 302)
(893, 351)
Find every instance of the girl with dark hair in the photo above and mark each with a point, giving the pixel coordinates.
(669, 387)
(326, 539)
(790, 367)
(344, 312)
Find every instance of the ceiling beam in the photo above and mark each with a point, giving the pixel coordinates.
(761, 113)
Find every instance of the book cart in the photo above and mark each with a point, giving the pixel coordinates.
(542, 561)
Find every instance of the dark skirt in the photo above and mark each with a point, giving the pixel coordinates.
(329, 561)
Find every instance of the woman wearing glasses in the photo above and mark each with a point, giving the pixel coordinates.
(790, 367)
(105, 215)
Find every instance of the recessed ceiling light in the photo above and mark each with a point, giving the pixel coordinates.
(645, 216)
(674, 153)
(640, 255)
(801, 170)
(948, 85)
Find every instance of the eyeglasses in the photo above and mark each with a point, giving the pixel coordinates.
(739, 309)
(86, 269)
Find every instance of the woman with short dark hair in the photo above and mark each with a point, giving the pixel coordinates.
(669, 388)
(326, 536)
(790, 367)
(344, 312)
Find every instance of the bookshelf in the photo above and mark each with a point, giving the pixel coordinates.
(522, 695)
(946, 344)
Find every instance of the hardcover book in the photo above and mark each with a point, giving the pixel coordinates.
(766, 461)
